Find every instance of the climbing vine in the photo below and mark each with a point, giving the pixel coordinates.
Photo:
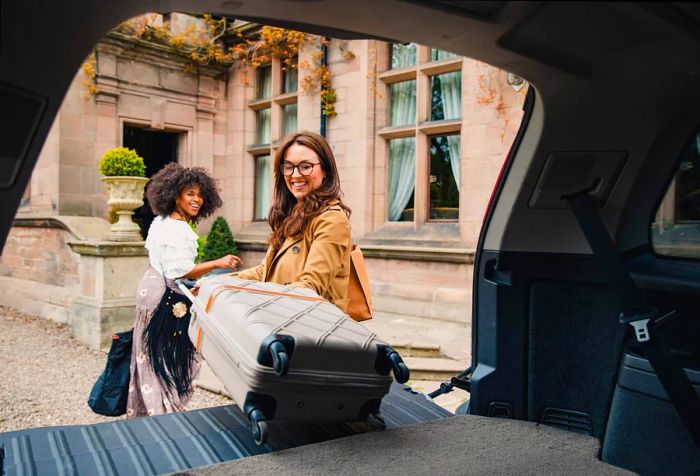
(488, 95)
(218, 41)
(89, 70)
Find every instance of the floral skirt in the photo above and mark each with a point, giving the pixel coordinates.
(148, 394)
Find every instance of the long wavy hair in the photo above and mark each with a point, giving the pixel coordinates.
(287, 216)
(168, 182)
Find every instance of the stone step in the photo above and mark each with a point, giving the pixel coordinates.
(409, 349)
(427, 368)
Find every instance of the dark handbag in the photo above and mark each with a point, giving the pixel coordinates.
(109, 394)
(168, 344)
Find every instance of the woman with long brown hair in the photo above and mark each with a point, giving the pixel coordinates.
(310, 242)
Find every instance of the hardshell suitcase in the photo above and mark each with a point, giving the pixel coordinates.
(285, 353)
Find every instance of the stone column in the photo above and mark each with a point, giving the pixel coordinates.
(107, 126)
(109, 275)
(204, 133)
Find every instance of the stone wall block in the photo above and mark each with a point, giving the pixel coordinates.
(143, 73)
(181, 114)
(109, 275)
(132, 106)
(177, 80)
(94, 325)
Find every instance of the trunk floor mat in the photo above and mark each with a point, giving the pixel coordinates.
(179, 441)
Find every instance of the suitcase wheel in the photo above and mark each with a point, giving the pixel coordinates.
(258, 426)
(401, 372)
(280, 359)
(260, 432)
(376, 420)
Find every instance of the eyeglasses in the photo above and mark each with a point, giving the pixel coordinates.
(304, 168)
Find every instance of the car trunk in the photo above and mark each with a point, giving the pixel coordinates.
(548, 344)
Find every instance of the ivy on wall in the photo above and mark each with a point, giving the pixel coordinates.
(218, 41)
(89, 69)
(490, 93)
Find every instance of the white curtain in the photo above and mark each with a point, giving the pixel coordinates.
(290, 118)
(402, 106)
(403, 55)
(451, 90)
(402, 152)
(263, 126)
(262, 186)
(438, 55)
(402, 175)
(453, 143)
(291, 80)
(264, 82)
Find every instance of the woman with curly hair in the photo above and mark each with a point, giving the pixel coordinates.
(178, 196)
(310, 242)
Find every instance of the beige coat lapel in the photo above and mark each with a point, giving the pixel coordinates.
(273, 259)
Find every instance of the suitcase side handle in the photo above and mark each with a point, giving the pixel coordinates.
(280, 360)
(388, 359)
(276, 351)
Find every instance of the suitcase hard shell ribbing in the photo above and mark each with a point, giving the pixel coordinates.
(286, 354)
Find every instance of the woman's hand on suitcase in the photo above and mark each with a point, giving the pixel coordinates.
(228, 262)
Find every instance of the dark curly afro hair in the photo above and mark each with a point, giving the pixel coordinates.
(167, 184)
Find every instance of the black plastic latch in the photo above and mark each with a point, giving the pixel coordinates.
(463, 382)
(501, 410)
(640, 322)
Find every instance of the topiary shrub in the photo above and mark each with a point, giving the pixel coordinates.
(219, 241)
(122, 162)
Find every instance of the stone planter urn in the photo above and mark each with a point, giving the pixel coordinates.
(125, 196)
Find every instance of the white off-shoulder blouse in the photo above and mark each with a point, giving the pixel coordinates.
(172, 247)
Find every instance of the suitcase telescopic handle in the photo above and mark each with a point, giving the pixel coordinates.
(184, 285)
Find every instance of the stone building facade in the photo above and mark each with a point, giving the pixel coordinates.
(420, 136)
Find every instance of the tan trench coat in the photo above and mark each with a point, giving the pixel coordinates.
(318, 259)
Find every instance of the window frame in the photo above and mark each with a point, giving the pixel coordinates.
(667, 226)
(258, 75)
(423, 129)
(438, 220)
(284, 71)
(283, 125)
(391, 55)
(256, 157)
(276, 103)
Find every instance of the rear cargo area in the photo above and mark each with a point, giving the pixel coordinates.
(180, 441)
